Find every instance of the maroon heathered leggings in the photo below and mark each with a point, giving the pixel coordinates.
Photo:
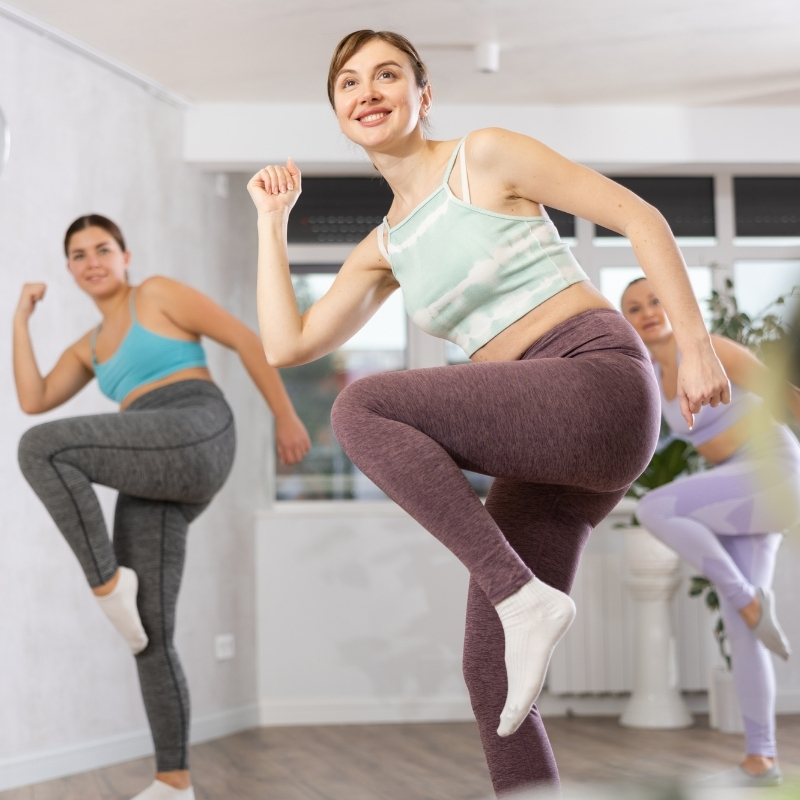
(564, 430)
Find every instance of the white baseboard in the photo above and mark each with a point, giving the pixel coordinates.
(45, 765)
(362, 710)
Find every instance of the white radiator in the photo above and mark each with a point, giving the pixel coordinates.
(596, 655)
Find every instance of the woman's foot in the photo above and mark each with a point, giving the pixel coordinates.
(119, 605)
(534, 619)
(760, 617)
(158, 790)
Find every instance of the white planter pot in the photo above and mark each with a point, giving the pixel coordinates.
(724, 714)
(653, 578)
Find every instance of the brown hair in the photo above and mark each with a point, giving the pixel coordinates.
(94, 221)
(353, 42)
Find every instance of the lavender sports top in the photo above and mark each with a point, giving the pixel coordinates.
(710, 422)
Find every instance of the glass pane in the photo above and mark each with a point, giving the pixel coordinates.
(454, 354)
(767, 206)
(327, 473)
(613, 281)
(757, 284)
(686, 203)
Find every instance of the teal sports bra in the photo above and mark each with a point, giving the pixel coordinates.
(143, 357)
(468, 273)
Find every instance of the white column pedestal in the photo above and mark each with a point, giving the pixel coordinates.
(653, 578)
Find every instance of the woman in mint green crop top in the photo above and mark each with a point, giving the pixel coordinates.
(167, 454)
(559, 404)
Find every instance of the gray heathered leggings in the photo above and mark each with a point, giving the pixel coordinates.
(168, 453)
(565, 430)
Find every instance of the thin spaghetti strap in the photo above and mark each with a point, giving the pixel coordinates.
(462, 160)
(381, 244)
(133, 308)
(452, 162)
(94, 339)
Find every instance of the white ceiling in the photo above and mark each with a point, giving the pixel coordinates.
(687, 52)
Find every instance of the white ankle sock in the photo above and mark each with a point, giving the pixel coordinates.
(158, 790)
(534, 619)
(120, 607)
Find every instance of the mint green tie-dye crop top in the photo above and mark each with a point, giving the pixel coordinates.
(468, 273)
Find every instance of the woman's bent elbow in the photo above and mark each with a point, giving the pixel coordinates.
(31, 408)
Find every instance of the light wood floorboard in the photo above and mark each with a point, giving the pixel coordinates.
(436, 761)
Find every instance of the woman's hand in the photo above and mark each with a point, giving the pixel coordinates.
(701, 381)
(32, 293)
(292, 438)
(275, 189)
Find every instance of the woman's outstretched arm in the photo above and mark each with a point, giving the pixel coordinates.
(532, 170)
(361, 286)
(198, 314)
(745, 370)
(71, 373)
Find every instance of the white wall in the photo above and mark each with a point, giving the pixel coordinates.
(246, 136)
(83, 140)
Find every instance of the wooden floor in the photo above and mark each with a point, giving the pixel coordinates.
(439, 761)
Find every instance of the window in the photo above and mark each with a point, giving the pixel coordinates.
(565, 223)
(767, 208)
(332, 210)
(613, 281)
(327, 473)
(686, 203)
(757, 284)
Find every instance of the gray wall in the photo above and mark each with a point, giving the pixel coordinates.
(84, 140)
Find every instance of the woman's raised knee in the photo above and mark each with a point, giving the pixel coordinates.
(355, 403)
(34, 447)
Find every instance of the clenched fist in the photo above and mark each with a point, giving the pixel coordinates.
(274, 188)
(32, 293)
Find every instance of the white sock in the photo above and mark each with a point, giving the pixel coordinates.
(534, 619)
(120, 607)
(158, 790)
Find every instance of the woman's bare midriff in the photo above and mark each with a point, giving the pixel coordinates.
(725, 444)
(512, 343)
(191, 374)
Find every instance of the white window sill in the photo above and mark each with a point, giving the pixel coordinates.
(683, 241)
(766, 241)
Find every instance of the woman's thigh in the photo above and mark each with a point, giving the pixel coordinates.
(732, 499)
(586, 422)
(161, 454)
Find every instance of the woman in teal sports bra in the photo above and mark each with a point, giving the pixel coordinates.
(168, 453)
(560, 403)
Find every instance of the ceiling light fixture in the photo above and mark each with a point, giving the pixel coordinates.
(487, 56)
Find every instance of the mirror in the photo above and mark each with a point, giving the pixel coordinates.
(5, 140)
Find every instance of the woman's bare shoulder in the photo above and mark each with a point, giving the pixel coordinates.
(82, 349)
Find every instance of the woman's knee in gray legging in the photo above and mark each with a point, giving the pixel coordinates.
(34, 451)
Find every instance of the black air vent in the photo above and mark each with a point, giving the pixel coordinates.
(767, 206)
(332, 210)
(686, 203)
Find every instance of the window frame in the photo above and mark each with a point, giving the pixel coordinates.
(719, 254)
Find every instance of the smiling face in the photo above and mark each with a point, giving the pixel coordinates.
(376, 96)
(97, 262)
(644, 311)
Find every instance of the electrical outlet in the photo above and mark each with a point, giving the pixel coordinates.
(225, 646)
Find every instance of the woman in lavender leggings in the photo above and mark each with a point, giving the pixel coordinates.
(726, 521)
(560, 403)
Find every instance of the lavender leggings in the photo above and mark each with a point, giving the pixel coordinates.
(565, 430)
(725, 522)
